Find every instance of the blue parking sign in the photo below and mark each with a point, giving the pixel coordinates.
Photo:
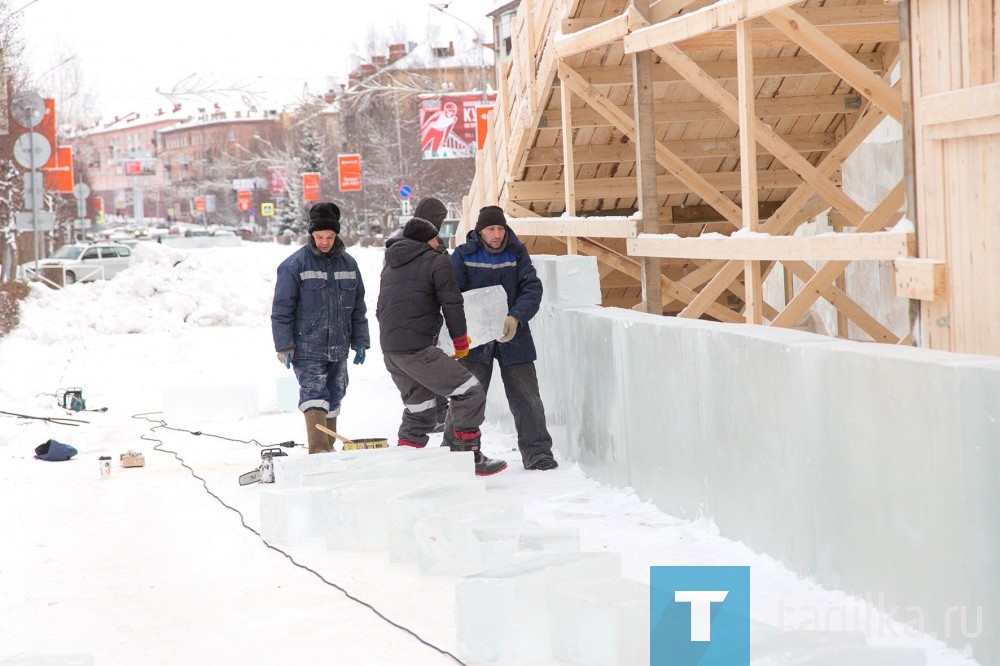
(699, 616)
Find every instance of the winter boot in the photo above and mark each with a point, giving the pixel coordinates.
(469, 441)
(319, 441)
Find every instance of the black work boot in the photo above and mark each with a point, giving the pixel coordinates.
(469, 441)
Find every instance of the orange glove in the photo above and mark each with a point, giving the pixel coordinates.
(461, 346)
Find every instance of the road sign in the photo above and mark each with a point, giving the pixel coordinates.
(405, 191)
(267, 209)
(81, 190)
(32, 150)
(28, 109)
(26, 221)
(33, 190)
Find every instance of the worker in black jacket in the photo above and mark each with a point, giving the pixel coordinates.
(417, 285)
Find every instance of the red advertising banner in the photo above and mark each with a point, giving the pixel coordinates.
(59, 176)
(481, 126)
(349, 170)
(448, 125)
(310, 186)
(277, 179)
(47, 128)
(244, 199)
(199, 204)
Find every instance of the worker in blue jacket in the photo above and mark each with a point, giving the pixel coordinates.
(492, 255)
(317, 316)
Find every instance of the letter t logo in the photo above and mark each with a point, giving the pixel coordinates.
(701, 610)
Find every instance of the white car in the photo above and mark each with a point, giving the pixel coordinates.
(80, 262)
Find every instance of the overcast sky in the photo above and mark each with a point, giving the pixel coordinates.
(126, 50)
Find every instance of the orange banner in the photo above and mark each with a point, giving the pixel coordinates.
(59, 176)
(310, 186)
(349, 169)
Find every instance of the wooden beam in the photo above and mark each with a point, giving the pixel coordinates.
(624, 123)
(575, 227)
(762, 132)
(920, 279)
(691, 25)
(687, 112)
(848, 246)
(711, 28)
(746, 117)
(624, 187)
(672, 289)
(809, 37)
(813, 142)
(646, 158)
(813, 289)
(609, 30)
(568, 168)
(764, 68)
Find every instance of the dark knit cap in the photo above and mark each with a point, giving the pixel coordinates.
(420, 229)
(324, 217)
(432, 210)
(489, 216)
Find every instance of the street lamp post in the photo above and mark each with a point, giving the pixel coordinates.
(482, 61)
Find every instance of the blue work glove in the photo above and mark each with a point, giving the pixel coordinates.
(285, 357)
(359, 355)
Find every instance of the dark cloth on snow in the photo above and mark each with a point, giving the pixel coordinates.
(477, 266)
(319, 305)
(417, 284)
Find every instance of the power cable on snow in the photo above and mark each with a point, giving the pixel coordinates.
(159, 447)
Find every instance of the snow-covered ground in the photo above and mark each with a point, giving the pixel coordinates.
(155, 566)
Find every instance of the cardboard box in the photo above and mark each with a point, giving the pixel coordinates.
(133, 459)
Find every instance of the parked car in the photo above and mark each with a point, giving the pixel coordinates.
(81, 262)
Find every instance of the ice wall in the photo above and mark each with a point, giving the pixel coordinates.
(870, 467)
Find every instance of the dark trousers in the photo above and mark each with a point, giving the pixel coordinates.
(427, 373)
(520, 382)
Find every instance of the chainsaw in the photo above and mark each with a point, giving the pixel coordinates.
(264, 473)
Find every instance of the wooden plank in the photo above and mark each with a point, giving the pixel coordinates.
(762, 133)
(595, 36)
(920, 279)
(813, 142)
(625, 187)
(799, 65)
(568, 167)
(691, 25)
(646, 158)
(683, 112)
(975, 103)
(675, 165)
(826, 247)
(622, 227)
(810, 38)
(748, 165)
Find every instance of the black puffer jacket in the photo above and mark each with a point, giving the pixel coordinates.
(417, 284)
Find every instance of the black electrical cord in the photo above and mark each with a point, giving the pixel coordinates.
(159, 447)
(58, 420)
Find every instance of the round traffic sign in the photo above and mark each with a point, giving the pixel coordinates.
(405, 191)
(32, 150)
(28, 109)
(81, 190)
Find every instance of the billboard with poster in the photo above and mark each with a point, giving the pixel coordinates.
(448, 125)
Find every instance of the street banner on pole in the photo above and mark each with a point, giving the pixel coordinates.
(310, 186)
(481, 126)
(349, 171)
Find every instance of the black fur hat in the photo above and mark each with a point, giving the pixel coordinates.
(324, 217)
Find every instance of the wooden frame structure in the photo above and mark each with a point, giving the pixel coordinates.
(683, 143)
